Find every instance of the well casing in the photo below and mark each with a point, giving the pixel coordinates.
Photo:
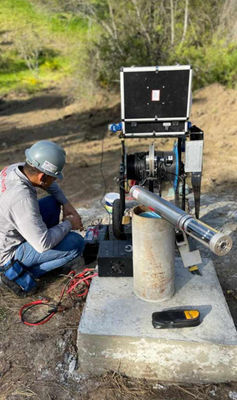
(153, 256)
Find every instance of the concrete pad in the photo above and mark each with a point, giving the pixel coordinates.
(116, 333)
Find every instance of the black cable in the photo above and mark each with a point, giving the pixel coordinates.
(52, 310)
(101, 170)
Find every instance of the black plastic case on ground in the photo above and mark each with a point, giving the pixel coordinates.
(115, 258)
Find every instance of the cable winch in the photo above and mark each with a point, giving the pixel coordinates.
(155, 105)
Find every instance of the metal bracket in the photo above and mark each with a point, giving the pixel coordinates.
(189, 258)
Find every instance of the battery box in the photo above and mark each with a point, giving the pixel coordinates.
(115, 258)
(94, 235)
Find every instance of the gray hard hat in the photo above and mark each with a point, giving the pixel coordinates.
(47, 157)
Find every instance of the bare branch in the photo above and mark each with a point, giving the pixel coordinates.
(112, 19)
(115, 33)
(185, 21)
(141, 22)
(172, 21)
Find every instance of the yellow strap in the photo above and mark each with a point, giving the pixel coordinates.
(193, 268)
(126, 220)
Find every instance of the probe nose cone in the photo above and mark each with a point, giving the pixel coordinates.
(221, 244)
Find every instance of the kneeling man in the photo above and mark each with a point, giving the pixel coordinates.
(32, 240)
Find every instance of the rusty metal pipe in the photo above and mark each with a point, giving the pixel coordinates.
(153, 241)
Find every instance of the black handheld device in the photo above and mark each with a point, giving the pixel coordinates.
(176, 318)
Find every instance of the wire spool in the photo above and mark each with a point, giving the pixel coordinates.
(108, 200)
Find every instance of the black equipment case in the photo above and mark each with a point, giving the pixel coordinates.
(155, 101)
(115, 258)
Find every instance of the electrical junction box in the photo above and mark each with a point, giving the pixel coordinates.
(155, 101)
(115, 258)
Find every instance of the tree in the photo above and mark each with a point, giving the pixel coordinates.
(141, 32)
(228, 20)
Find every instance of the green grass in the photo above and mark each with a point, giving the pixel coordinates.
(68, 24)
(28, 27)
(18, 13)
(28, 82)
(17, 77)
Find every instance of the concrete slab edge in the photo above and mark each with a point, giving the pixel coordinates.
(157, 359)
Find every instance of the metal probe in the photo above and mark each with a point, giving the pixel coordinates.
(219, 243)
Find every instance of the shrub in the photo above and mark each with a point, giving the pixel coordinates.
(214, 62)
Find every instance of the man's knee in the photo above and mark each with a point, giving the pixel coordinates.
(73, 242)
(77, 241)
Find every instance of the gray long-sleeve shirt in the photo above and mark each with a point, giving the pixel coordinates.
(20, 218)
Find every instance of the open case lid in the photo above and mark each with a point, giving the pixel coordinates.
(156, 93)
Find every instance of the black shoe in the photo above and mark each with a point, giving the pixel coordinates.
(16, 289)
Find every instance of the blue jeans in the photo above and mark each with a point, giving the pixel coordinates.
(69, 248)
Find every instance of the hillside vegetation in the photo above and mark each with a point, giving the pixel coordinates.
(85, 42)
(38, 47)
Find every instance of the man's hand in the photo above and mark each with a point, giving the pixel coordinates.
(71, 214)
(76, 223)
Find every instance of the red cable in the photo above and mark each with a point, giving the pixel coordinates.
(34, 303)
(71, 284)
(79, 278)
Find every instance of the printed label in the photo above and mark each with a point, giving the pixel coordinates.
(155, 95)
(48, 166)
(3, 179)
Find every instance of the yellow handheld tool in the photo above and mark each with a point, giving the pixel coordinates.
(176, 318)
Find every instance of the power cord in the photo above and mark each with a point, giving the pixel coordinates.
(77, 286)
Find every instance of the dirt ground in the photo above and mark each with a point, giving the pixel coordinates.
(40, 362)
